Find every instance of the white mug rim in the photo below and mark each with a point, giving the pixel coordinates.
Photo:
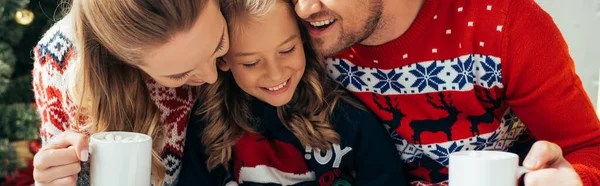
(462, 155)
(96, 139)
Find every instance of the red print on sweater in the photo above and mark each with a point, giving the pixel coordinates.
(260, 161)
(54, 111)
(38, 86)
(62, 65)
(39, 60)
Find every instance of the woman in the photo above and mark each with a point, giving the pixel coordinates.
(123, 65)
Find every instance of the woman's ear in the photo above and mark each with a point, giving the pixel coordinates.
(222, 64)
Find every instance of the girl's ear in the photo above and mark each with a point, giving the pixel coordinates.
(222, 64)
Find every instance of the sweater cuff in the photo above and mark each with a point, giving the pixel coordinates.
(588, 175)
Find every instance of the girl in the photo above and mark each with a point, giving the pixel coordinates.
(273, 117)
(123, 65)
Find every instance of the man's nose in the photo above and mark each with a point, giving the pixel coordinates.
(306, 8)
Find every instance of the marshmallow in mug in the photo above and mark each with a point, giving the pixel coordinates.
(119, 138)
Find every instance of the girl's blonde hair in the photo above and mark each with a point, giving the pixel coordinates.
(111, 37)
(225, 106)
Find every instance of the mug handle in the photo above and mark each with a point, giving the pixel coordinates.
(521, 171)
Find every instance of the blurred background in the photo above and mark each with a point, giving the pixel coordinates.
(22, 23)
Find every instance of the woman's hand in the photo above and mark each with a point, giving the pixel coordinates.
(58, 162)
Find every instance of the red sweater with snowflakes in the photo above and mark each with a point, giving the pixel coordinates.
(475, 75)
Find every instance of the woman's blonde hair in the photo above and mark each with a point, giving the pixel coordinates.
(225, 107)
(111, 37)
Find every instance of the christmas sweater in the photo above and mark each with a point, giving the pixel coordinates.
(274, 156)
(54, 61)
(474, 75)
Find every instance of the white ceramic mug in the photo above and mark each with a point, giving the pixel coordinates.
(114, 163)
(489, 168)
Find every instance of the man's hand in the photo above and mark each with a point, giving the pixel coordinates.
(549, 167)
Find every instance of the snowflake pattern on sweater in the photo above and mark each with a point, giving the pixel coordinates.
(54, 61)
(463, 73)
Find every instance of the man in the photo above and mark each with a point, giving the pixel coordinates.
(455, 75)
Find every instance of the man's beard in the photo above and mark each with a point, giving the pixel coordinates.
(348, 39)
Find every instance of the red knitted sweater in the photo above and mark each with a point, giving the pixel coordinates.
(475, 75)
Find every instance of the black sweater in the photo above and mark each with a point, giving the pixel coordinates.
(275, 156)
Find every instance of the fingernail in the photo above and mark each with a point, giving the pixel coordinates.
(530, 163)
(85, 155)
